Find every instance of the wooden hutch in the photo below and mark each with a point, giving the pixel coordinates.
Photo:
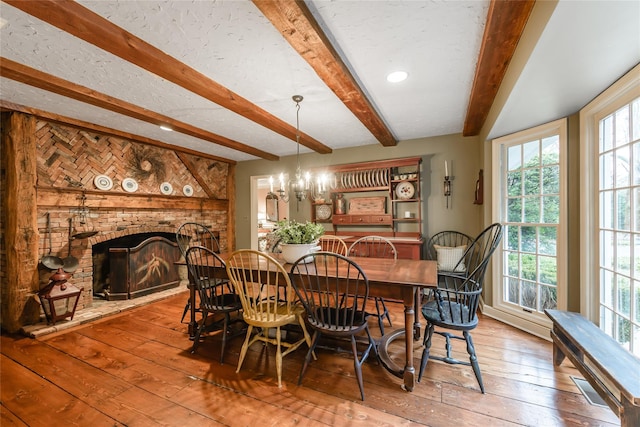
(380, 197)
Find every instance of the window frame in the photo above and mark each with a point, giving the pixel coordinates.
(534, 322)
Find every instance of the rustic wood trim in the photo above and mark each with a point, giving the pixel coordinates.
(63, 197)
(203, 183)
(68, 121)
(296, 24)
(505, 23)
(72, 17)
(231, 212)
(375, 164)
(21, 236)
(51, 83)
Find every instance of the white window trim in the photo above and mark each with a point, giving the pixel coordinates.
(622, 92)
(534, 323)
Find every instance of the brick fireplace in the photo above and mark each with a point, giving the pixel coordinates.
(50, 170)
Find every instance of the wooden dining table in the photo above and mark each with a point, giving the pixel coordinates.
(398, 279)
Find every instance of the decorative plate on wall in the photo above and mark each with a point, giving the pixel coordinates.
(130, 185)
(166, 188)
(103, 182)
(405, 190)
(323, 212)
(187, 190)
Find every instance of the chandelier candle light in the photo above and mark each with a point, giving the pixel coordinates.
(302, 183)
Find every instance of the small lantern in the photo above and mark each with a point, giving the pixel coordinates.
(59, 298)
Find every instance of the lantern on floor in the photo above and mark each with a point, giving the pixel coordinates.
(59, 298)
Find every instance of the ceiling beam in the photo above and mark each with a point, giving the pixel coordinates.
(75, 19)
(32, 77)
(80, 124)
(506, 20)
(295, 22)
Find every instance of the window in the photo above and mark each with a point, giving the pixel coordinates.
(611, 202)
(531, 203)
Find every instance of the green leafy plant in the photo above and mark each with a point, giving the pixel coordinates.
(292, 232)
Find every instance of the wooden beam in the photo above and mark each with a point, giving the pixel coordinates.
(20, 222)
(505, 23)
(189, 165)
(22, 73)
(55, 118)
(72, 17)
(296, 24)
(63, 197)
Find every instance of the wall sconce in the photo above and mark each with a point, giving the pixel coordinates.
(59, 298)
(447, 183)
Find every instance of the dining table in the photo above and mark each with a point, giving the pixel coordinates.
(394, 279)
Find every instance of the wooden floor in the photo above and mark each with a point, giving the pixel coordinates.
(136, 369)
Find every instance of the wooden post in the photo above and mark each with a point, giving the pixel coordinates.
(20, 221)
(231, 210)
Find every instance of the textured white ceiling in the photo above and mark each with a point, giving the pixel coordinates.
(436, 42)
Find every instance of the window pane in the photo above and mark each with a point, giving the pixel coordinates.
(514, 210)
(514, 157)
(529, 267)
(550, 150)
(622, 126)
(513, 243)
(514, 265)
(548, 297)
(623, 169)
(606, 134)
(514, 183)
(551, 180)
(607, 256)
(606, 209)
(635, 164)
(636, 256)
(624, 332)
(636, 300)
(606, 321)
(528, 239)
(531, 181)
(513, 290)
(531, 154)
(623, 302)
(550, 210)
(606, 171)
(532, 209)
(548, 270)
(623, 253)
(528, 295)
(548, 240)
(606, 288)
(623, 210)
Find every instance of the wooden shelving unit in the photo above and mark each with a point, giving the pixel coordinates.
(398, 216)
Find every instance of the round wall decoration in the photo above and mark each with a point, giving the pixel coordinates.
(130, 185)
(103, 182)
(187, 190)
(166, 188)
(405, 190)
(323, 212)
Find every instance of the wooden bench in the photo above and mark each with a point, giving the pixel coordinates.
(610, 369)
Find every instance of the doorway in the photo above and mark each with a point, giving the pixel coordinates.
(260, 187)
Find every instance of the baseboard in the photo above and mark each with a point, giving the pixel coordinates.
(517, 322)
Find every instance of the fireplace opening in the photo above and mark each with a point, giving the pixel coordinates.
(135, 265)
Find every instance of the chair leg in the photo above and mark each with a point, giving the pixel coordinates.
(382, 312)
(278, 357)
(425, 351)
(199, 327)
(187, 306)
(245, 346)
(225, 331)
(357, 365)
(474, 360)
(307, 359)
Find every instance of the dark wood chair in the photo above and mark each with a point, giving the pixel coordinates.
(217, 296)
(334, 308)
(194, 234)
(454, 303)
(375, 247)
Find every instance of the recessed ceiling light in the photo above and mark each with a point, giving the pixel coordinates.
(397, 76)
(167, 128)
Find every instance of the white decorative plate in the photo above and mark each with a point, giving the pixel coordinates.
(405, 190)
(130, 185)
(187, 190)
(323, 212)
(103, 182)
(166, 188)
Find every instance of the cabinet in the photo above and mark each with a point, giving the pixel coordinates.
(382, 197)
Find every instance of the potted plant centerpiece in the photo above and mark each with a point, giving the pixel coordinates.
(298, 239)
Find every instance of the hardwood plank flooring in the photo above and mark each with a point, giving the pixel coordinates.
(136, 369)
